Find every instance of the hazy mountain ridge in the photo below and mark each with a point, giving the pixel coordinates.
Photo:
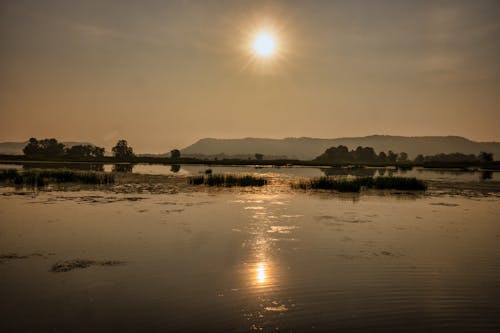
(16, 148)
(309, 148)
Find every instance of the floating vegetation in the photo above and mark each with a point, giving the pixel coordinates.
(39, 178)
(355, 185)
(227, 180)
(69, 265)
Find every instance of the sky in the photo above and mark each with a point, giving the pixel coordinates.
(163, 74)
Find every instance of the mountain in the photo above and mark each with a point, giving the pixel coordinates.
(309, 148)
(16, 148)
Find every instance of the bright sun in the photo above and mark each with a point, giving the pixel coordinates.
(264, 44)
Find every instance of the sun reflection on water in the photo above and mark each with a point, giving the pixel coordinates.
(261, 272)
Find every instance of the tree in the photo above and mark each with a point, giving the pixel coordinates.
(84, 151)
(259, 157)
(122, 150)
(382, 157)
(175, 153)
(338, 154)
(403, 157)
(44, 148)
(485, 157)
(391, 156)
(32, 148)
(419, 159)
(364, 154)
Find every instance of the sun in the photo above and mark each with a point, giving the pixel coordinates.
(264, 44)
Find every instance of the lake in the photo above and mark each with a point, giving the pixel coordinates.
(268, 259)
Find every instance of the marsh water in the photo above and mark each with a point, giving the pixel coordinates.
(249, 259)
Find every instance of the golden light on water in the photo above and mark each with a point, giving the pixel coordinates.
(261, 273)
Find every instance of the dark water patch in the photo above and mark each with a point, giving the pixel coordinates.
(69, 265)
(16, 256)
(168, 211)
(330, 219)
(446, 204)
(12, 256)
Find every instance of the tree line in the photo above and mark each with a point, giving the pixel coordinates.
(51, 148)
(342, 154)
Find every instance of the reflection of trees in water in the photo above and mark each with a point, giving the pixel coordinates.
(175, 168)
(123, 167)
(360, 172)
(71, 166)
(486, 175)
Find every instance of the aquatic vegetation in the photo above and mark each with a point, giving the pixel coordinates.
(69, 265)
(227, 180)
(40, 178)
(355, 185)
(399, 183)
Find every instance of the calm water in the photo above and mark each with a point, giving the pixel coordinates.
(278, 172)
(250, 260)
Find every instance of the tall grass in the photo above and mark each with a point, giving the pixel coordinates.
(44, 177)
(227, 180)
(355, 185)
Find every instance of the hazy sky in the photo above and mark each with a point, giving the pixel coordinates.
(163, 74)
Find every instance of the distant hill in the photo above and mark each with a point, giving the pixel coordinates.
(309, 148)
(16, 148)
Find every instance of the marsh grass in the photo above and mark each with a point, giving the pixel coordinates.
(227, 180)
(355, 185)
(38, 178)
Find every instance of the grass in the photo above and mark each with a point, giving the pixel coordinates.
(39, 178)
(355, 185)
(227, 180)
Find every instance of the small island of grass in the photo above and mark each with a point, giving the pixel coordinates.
(355, 185)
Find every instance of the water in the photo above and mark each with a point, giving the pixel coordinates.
(276, 172)
(244, 260)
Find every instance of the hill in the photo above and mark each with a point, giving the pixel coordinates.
(309, 148)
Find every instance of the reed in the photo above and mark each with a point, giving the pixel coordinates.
(43, 177)
(227, 180)
(355, 185)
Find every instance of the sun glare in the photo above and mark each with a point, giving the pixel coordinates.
(264, 44)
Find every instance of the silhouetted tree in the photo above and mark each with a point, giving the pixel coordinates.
(382, 157)
(44, 148)
(122, 150)
(403, 157)
(32, 148)
(391, 156)
(259, 157)
(84, 151)
(364, 154)
(338, 154)
(452, 158)
(485, 157)
(419, 159)
(175, 153)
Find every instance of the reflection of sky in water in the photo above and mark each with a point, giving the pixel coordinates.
(299, 172)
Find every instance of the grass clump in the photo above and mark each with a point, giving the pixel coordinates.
(39, 178)
(227, 180)
(399, 183)
(355, 185)
(329, 183)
